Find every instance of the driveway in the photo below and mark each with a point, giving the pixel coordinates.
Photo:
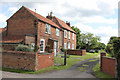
(82, 69)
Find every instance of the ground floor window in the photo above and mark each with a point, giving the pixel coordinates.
(72, 46)
(65, 45)
(42, 45)
(68, 45)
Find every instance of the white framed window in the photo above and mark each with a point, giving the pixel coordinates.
(57, 32)
(65, 33)
(72, 46)
(68, 45)
(73, 36)
(32, 45)
(69, 35)
(42, 45)
(65, 45)
(47, 28)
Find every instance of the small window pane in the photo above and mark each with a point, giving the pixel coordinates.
(73, 36)
(69, 35)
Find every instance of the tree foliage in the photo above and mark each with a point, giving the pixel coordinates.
(78, 32)
(87, 40)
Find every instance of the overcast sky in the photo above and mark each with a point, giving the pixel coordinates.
(99, 17)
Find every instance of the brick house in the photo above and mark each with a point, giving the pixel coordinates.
(51, 32)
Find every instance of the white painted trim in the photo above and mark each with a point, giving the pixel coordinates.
(43, 44)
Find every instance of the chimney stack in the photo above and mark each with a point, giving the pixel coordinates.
(49, 15)
(68, 23)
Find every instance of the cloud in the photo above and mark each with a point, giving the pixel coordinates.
(80, 12)
(13, 9)
(105, 32)
(3, 18)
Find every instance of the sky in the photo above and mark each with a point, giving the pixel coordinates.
(99, 17)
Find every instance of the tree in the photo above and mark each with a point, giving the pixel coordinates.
(99, 46)
(109, 47)
(86, 40)
(77, 30)
(89, 41)
(116, 50)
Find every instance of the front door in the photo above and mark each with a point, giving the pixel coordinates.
(55, 48)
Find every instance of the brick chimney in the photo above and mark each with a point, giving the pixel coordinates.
(49, 16)
(68, 23)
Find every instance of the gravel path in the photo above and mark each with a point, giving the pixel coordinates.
(82, 69)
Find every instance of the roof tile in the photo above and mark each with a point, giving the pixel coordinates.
(64, 25)
(42, 18)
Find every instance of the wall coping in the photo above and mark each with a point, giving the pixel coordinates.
(44, 53)
(75, 50)
(21, 52)
(108, 57)
(18, 52)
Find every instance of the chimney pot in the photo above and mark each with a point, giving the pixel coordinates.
(68, 23)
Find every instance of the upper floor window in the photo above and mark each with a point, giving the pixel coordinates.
(65, 45)
(68, 45)
(57, 32)
(73, 36)
(47, 28)
(65, 33)
(69, 35)
(72, 46)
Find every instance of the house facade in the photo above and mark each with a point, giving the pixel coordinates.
(52, 33)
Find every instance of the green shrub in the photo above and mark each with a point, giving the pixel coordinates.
(24, 48)
(96, 51)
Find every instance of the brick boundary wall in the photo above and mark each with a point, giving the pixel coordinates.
(107, 65)
(26, 60)
(76, 52)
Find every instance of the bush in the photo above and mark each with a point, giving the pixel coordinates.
(96, 51)
(23, 48)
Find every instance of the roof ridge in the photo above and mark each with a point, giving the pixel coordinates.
(42, 18)
(65, 25)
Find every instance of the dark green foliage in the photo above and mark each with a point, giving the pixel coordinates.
(63, 49)
(37, 47)
(88, 41)
(77, 30)
(24, 48)
(116, 51)
(109, 47)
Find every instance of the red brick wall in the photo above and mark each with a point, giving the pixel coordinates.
(26, 60)
(66, 40)
(18, 60)
(108, 65)
(21, 23)
(43, 35)
(10, 47)
(44, 60)
(29, 39)
(76, 52)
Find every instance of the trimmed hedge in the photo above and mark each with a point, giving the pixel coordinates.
(24, 48)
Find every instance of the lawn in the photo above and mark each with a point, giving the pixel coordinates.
(100, 74)
(70, 61)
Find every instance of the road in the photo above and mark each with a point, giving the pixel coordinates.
(82, 69)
